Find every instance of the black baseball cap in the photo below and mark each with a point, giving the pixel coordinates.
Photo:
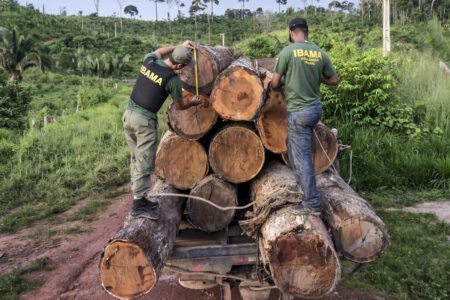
(296, 23)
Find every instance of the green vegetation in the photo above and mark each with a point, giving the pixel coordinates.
(13, 284)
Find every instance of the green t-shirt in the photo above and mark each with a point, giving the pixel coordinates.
(172, 87)
(303, 64)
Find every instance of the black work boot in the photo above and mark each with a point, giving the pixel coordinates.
(305, 209)
(144, 208)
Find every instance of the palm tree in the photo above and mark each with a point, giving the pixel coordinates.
(18, 53)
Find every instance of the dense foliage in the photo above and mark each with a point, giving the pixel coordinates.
(14, 103)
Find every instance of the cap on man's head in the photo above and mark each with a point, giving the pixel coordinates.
(182, 55)
(297, 23)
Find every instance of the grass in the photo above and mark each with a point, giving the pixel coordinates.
(88, 212)
(415, 266)
(14, 283)
(398, 198)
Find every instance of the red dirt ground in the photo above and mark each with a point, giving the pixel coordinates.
(75, 258)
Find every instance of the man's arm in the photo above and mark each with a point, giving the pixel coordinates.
(332, 80)
(161, 52)
(276, 80)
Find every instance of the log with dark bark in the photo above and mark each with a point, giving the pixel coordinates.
(180, 162)
(297, 248)
(266, 63)
(133, 260)
(324, 148)
(358, 233)
(236, 153)
(210, 62)
(204, 216)
(194, 122)
(238, 92)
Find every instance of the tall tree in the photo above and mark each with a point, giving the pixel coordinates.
(97, 4)
(212, 2)
(18, 53)
(196, 6)
(169, 3)
(156, 7)
(121, 3)
(243, 7)
(179, 5)
(280, 2)
(131, 10)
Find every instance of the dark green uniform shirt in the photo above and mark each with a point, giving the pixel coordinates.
(303, 64)
(172, 87)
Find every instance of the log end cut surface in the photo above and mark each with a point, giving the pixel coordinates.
(361, 240)
(237, 154)
(271, 123)
(125, 271)
(237, 94)
(194, 122)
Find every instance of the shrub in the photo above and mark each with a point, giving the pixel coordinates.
(261, 47)
(14, 104)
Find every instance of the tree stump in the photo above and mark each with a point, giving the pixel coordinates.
(238, 92)
(210, 62)
(358, 233)
(236, 153)
(180, 162)
(323, 139)
(194, 122)
(204, 216)
(133, 260)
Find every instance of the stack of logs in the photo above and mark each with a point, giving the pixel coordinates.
(237, 136)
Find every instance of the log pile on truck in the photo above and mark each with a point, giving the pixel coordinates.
(231, 150)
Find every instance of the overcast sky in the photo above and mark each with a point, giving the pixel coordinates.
(147, 8)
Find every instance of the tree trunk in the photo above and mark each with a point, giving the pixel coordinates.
(210, 62)
(220, 192)
(358, 233)
(323, 139)
(180, 162)
(297, 248)
(238, 93)
(236, 153)
(194, 122)
(132, 261)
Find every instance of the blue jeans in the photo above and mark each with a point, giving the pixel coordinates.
(299, 144)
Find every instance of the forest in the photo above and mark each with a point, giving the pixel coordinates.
(64, 85)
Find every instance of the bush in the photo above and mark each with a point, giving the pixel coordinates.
(14, 104)
(88, 98)
(262, 47)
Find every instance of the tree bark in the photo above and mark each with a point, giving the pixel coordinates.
(323, 139)
(194, 122)
(220, 192)
(358, 233)
(210, 62)
(133, 260)
(180, 162)
(297, 248)
(236, 153)
(238, 92)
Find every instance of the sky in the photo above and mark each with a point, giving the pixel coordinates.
(147, 8)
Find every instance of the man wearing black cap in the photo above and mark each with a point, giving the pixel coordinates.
(304, 66)
(156, 80)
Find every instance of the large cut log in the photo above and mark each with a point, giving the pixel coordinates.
(297, 248)
(266, 63)
(206, 217)
(238, 92)
(236, 153)
(210, 62)
(358, 233)
(180, 162)
(194, 122)
(132, 261)
(324, 149)
(271, 123)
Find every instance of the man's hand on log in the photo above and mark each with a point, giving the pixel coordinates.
(196, 100)
(188, 44)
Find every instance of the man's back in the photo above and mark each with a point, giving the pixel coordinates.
(303, 64)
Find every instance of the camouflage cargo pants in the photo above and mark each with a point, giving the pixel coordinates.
(142, 138)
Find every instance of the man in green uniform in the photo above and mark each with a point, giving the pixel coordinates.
(304, 66)
(156, 80)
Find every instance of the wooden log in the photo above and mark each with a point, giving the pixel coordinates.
(266, 63)
(204, 216)
(194, 122)
(358, 233)
(297, 248)
(271, 123)
(236, 153)
(180, 162)
(323, 139)
(210, 62)
(238, 92)
(133, 260)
